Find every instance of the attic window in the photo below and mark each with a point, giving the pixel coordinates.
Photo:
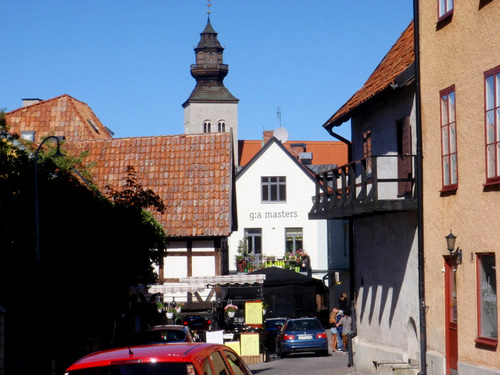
(93, 126)
(28, 135)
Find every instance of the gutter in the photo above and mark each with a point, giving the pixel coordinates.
(419, 191)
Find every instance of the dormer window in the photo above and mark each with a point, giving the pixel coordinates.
(207, 127)
(221, 126)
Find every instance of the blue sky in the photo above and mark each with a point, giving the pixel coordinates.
(129, 60)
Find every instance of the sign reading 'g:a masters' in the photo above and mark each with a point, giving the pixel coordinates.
(273, 215)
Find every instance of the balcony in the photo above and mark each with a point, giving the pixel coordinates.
(379, 184)
(298, 262)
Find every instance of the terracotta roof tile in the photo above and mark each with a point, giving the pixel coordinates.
(400, 57)
(324, 152)
(62, 115)
(197, 195)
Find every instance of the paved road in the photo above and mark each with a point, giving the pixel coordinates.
(333, 364)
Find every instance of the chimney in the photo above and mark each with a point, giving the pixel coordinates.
(268, 134)
(298, 147)
(30, 101)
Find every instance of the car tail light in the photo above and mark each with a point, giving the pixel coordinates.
(209, 322)
(185, 323)
(321, 335)
(289, 337)
(190, 370)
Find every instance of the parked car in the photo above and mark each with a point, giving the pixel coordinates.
(176, 358)
(197, 322)
(163, 334)
(302, 335)
(273, 328)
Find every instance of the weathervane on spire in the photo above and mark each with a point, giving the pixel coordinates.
(208, 7)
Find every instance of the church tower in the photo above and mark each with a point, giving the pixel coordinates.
(211, 107)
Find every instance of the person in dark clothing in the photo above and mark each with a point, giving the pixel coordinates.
(343, 302)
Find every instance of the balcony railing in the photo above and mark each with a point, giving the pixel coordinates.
(210, 66)
(366, 186)
(255, 262)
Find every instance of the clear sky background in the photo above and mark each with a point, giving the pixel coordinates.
(129, 60)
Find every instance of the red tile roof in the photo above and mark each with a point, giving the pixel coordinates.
(323, 152)
(62, 115)
(399, 58)
(191, 173)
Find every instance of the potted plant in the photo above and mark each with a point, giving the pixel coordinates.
(170, 312)
(241, 254)
(179, 307)
(230, 309)
(159, 307)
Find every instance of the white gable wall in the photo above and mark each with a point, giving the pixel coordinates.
(273, 218)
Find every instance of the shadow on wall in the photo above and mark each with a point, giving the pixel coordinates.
(384, 258)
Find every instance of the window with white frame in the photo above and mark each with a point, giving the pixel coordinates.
(448, 139)
(254, 240)
(492, 125)
(445, 8)
(273, 189)
(207, 126)
(293, 239)
(221, 126)
(487, 299)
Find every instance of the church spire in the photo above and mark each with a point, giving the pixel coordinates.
(211, 107)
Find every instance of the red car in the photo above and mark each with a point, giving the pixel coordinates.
(175, 358)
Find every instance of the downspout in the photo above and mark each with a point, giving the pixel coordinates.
(352, 296)
(419, 192)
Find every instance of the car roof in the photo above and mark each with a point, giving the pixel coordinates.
(277, 319)
(174, 352)
(168, 327)
(305, 318)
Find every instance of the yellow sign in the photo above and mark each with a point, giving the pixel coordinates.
(235, 345)
(249, 343)
(253, 313)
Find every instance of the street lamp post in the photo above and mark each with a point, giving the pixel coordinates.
(37, 224)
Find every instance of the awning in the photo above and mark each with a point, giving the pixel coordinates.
(195, 284)
(182, 287)
(226, 279)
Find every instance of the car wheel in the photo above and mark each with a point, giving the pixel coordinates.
(323, 353)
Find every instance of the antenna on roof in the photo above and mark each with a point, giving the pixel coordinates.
(278, 114)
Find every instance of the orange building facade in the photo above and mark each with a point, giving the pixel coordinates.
(460, 96)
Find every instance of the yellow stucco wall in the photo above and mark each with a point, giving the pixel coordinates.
(458, 53)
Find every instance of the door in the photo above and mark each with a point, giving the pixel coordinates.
(451, 316)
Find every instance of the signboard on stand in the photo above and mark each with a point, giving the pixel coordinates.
(253, 313)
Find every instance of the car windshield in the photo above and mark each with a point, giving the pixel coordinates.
(166, 336)
(304, 325)
(164, 368)
(274, 323)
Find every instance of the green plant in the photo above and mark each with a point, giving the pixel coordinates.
(160, 306)
(230, 307)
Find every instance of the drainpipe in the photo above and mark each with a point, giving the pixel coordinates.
(419, 192)
(354, 331)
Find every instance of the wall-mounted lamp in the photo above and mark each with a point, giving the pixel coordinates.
(450, 244)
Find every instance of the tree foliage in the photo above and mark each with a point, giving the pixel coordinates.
(91, 250)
